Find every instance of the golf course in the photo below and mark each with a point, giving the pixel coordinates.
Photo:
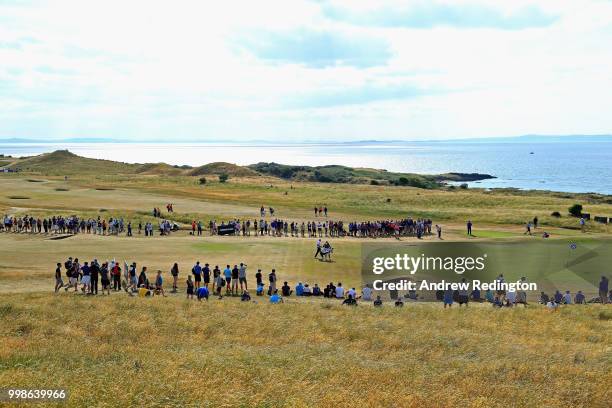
(120, 350)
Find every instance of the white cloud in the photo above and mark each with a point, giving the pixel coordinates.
(185, 69)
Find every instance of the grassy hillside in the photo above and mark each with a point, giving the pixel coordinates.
(219, 168)
(343, 174)
(63, 162)
(175, 352)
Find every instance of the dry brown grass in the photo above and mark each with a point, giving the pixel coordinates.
(119, 351)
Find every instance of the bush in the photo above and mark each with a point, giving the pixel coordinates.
(555, 214)
(403, 181)
(202, 180)
(576, 210)
(223, 178)
(374, 182)
(463, 186)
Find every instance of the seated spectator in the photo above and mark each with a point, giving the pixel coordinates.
(350, 301)
(330, 290)
(286, 290)
(475, 295)
(245, 296)
(552, 305)
(307, 291)
(366, 293)
(159, 284)
(497, 302)
(143, 292)
(202, 293)
(275, 298)
(412, 295)
(316, 290)
(378, 302)
(558, 297)
(579, 299)
(339, 291)
(399, 302)
(521, 298)
(299, 289)
(543, 298)
(489, 296)
(352, 292)
(567, 298)
(511, 296)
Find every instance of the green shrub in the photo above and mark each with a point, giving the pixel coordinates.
(223, 177)
(575, 210)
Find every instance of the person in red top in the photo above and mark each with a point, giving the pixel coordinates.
(193, 227)
(116, 272)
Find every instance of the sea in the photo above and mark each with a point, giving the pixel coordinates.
(564, 166)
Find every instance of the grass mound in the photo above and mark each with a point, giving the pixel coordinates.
(63, 162)
(343, 174)
(218, 168)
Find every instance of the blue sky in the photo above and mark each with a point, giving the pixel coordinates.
(304, 70)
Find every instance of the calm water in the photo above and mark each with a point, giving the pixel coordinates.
(558, 166)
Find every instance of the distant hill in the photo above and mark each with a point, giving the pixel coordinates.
(61, 162)
(223, 168)
(343, 174)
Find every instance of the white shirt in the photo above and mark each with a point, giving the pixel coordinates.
(339, 292)
(511, 297)
(352, 293)
(366, 293)
(568, 298)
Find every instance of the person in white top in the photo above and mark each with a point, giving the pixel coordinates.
(339, 291)
(319, 244)
(511, 296)
(352, 292)
(567, 297)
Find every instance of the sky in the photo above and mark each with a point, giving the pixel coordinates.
(304, 70)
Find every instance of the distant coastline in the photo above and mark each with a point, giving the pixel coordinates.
(578, 164)
(493, 139)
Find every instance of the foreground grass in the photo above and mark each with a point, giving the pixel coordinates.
(118, 351)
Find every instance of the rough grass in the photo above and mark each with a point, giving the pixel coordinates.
(294, 200)
(119, 351)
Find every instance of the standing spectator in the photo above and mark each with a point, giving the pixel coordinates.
(58, 277)
(603, 290)
(272, 279)
(174, 272)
